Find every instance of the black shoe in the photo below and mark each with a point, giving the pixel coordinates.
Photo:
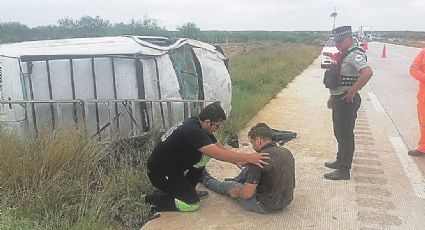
(202, 194)
(338, 175)
(332, 165)
(416, 153)
(229, 179)
(205, 176)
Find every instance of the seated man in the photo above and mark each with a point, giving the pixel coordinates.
(261, 190)
(177, 161)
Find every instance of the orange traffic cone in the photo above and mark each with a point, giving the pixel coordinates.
(384, 52)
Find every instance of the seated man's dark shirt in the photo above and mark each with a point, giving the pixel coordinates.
(276, 181)
(178, 149)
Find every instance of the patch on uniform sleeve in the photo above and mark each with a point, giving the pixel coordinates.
(358, 58)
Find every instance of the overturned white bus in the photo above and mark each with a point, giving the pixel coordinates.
(114, 86)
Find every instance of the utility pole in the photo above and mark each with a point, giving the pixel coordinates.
(333, 15)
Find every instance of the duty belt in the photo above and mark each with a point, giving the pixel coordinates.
(348, 80)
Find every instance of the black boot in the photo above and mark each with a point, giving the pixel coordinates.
(338, 175)
(332, 165)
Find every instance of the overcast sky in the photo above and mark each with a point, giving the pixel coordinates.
(227, 14)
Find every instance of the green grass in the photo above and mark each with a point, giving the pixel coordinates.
(9, 222)
(71, 182)
(259, 73)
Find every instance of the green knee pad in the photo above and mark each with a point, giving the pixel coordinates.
(204, 160)
(183, 207)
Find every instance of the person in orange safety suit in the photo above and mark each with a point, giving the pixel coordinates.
(417, 70)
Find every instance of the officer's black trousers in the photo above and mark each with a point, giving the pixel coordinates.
(344, 116)
(175, 185)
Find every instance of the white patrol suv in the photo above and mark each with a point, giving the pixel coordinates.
(329, 53)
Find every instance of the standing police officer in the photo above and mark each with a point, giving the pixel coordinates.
(345, 100)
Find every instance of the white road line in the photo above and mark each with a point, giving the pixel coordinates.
(376, 103)
(410, 168)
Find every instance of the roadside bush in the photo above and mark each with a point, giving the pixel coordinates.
(70, 181)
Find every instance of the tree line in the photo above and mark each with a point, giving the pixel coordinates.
(88, 26)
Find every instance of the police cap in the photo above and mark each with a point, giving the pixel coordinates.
(341, 32)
